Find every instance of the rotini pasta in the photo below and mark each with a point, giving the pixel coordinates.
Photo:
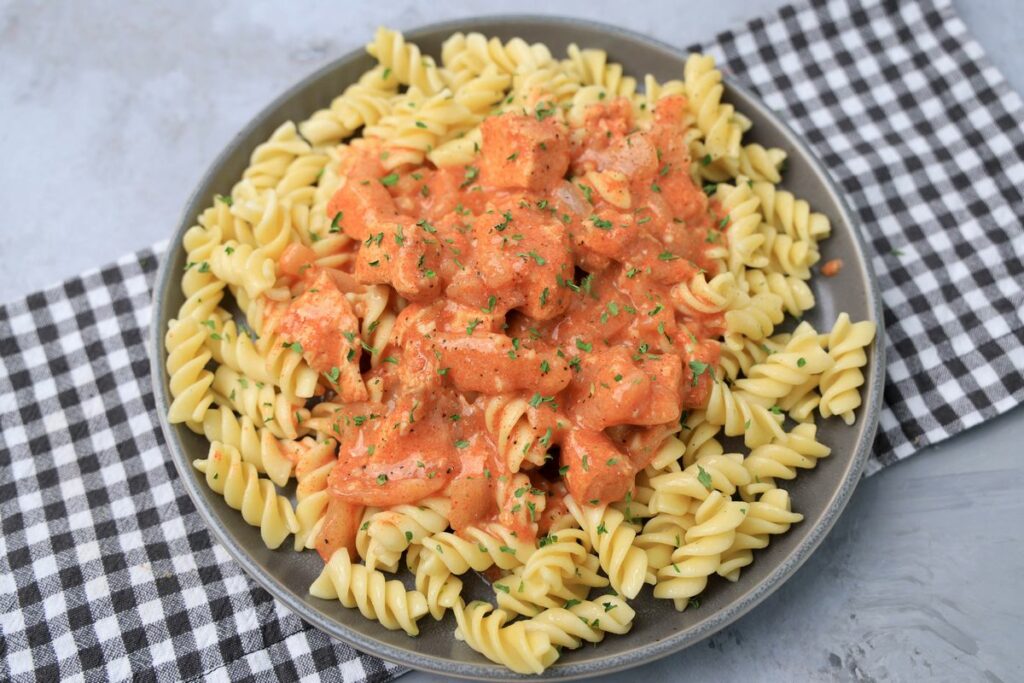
(245, 491)
(376, 597)
(515, 326)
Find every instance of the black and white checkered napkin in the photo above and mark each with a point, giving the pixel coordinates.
(106, 570)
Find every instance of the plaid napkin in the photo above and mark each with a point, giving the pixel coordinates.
(108, 573)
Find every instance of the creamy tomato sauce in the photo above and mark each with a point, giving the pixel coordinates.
(542, 272)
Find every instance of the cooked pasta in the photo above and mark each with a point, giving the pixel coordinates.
(376, 597)
(516, 313)
(244, 490)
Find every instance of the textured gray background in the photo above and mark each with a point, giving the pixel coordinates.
(110, 113)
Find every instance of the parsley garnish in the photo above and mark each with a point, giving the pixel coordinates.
(471, 173)
(703, 477)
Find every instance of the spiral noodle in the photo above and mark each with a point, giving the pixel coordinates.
(508, 420)
(716, 121)
(591, 67)
(260, 402)
(483, 92)
(675, 492)
(668, 454)
(459, 150)
(392, 531)
(284, 367)
(661, 535)
(588, 621)
(515, 595)
(257, 447)
(774, 378)
(190, 381)
(752, 318)
(623, 562)
(362, 103)
(738, 361)
(698, 297)
(802, 400)
(790, 215)
(795, 294)
(799, 449)
(441, 589)
(417, 125)
(698, 437)
(770, 515)
(741, 413)
(377, 598)
(550, 80)
(299, 181)
(406, 62)
(476, 548)
(202, 289)
(840, 384)
(755, 162)
(792, 257)
(511, 645)
(559, 559)
(246, 267)
(473, 53)
(313, 463)
(712, 534)
(244, 490)
(745, 238)
(269, 162)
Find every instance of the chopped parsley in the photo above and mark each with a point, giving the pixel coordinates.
(703, 477)
(389, 180)
(698, 368)
(471, 174)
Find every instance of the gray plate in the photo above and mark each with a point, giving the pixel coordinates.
(820, 494)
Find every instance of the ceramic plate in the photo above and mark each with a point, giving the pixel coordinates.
(658, 630)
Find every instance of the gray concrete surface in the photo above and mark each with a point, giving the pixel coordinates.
(110, 112)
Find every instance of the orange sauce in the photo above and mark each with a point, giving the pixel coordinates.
(543, 270)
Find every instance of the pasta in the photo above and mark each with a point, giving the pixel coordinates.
(245, 491)
(519, 314)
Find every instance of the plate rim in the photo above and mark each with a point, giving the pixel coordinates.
(644, 653)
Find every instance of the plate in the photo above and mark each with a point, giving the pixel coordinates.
(658, 630)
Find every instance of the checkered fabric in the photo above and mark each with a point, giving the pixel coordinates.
(108, 573)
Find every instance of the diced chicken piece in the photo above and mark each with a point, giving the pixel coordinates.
(341, 524)
(598, 471)
(324, 327)
(615, 389)
(523, 151)
(403, 256)
(495, 364)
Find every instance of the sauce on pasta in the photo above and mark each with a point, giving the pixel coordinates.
(541, 275)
